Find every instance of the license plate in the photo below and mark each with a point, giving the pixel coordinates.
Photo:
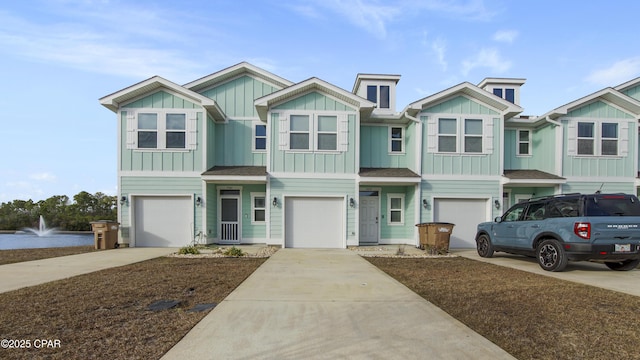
(622, 248)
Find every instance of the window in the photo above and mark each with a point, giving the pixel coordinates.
(299, 132)
(497, 92)
(507, 94)
(260, 137)
(447, 135)
(380, 95)
(472, 135)
(585, 138)
(258, 207)
(598, 138)
(327, 132)
(152, 129)
(396, 138)
(609, 139)
(524, 142)
(395, 203)
(514, 213)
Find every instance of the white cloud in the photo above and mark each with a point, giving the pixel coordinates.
(367, 15)
(474, 10)
(507, 36)
(617, 73)
(439, 47)
(45, 176)
(486, 58)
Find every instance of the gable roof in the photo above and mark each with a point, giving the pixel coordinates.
(609, 95)
(506, 108)
(235, 71)
(629, 84)
(115, 100)
(384, 77)
(313, 84)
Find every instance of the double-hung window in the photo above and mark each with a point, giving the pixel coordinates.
(259, 137)
(381, 95)
(609, 139)
(586, 138)
(395, 204)
(161, 130)
(523, 142)
(472, 135)
(299, 132)
(447, 135)
(396, 140)
(599, 138)
(327, 133)
(507, 94)
(258, 207)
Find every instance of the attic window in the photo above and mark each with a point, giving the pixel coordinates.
(382, 92)
(507, 94)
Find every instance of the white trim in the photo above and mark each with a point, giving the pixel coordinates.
(219, 198)
(235, 179)
(529, 142)
(345, 202)
(368, 188)
(428, 177)
(254, 137)
(131, 197)
(487, 198)
(622, 138)
(190, 131)
(334, 176)
(389, 209)
(171, 174)
(388, 180)
(402, 140)
(341, 133)
(253, 196)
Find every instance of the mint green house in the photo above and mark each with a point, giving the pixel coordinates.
(244, 156)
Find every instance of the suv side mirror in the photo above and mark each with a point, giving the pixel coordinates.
(498, 219)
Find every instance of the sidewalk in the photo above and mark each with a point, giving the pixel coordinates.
(30, 273)
(328, 304)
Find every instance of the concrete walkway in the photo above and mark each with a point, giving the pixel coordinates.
(583, 272)
(328, 304)
(30, 273)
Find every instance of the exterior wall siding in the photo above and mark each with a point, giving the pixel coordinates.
(633, 92)
(590, 187)
(374, 148)
(314, 101)
(599, 110)
(233, 144)
(543, 150)
(406, 231)
(236, 97)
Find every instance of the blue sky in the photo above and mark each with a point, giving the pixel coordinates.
(58, 57)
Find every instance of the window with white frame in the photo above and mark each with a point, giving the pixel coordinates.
(327, 133)
(598, 138)
(523, 142)
(260, 137)
(315, 132)
(586, 138)
(508, 94)
(447, 135)
(161, 130)
(472, 135)
(396, 139)
(609, 140)
(395, 205)
(381, 95)
(258, 208)
(299, 132)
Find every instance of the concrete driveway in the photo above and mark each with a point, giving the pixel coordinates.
(583, 272)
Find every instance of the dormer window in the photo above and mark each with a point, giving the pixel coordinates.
(507, 94)
(380, 95)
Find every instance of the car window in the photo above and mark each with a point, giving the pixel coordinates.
(514, 213)
(612, 205)
(536, 211)
(568, 207)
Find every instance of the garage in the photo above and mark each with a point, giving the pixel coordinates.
(466, 214)
(314, 222)
(162, 221)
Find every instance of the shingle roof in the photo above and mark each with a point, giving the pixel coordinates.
(387, 172)
(237, 171)
(530, 175)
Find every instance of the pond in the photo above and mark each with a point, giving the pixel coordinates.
(32, 241)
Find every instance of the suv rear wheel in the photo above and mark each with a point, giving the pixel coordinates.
(551, 256)
(484, 247)
(625, 265)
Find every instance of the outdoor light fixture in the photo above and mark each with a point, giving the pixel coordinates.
(123, 199)
(274, 202)
(198, 201)
(352, 202)
(497, 204)
(425, 203)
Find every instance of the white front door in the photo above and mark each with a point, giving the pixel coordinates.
(230, 216)
(369, 218)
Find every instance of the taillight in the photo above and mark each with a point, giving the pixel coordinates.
(582, 229)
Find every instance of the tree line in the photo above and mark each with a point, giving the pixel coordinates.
(59, 212)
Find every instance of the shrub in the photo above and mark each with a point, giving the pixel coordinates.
(189, 250)
(234, 251)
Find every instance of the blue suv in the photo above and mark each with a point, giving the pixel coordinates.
(571, 227)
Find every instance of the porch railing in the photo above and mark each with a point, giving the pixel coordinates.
(229, 231)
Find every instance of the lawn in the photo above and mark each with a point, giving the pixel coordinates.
(105, 314)
(20, 255)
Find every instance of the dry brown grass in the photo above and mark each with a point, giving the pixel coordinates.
(20, 255)
(103, 315)
(530, 316)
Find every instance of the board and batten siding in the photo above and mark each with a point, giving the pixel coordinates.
(461, 164)
(542, 148)
(148, 185)
(235, 97)
(399, 233)
(633, 92)
(234, 144)
(590, 187)
(374, 147)
(622, 165)
(455, 188)
(161, 160)
(335, 162)
(281, 187)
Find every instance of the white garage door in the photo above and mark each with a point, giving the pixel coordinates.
(162, 221)
(314, 222)
(466, 214)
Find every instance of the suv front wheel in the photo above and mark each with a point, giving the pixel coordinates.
(484, 247)
(551, 256)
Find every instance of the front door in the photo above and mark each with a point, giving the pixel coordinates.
(369, 217)
(230, 216)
